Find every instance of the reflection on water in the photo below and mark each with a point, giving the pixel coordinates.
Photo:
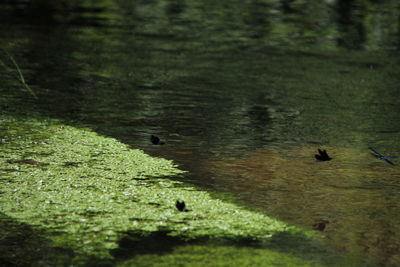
(354, 193)
(244, 93)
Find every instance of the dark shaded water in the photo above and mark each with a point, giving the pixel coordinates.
(243, 93)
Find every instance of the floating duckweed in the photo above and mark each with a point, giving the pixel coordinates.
(90, 190)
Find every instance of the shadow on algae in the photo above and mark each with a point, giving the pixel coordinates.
(69, 196)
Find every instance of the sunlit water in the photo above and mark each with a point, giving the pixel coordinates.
(240, 105)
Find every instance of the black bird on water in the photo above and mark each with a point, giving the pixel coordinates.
(155, 140)
(181, 206)
(322, 156)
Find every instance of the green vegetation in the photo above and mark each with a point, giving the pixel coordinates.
(69, 195)
(221, 256)
(86, 190)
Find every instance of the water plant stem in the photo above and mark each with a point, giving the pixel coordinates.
(20, 75)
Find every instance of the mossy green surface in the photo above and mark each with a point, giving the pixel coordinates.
(86, 191)
(218, 255)
(93, 188)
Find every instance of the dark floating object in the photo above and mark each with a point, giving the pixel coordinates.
(378, 155)
(323, 155)
(320, 226)
(181, 206)
(156, 141)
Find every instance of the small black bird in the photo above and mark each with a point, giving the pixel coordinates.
(323, 156)
(156, 141)
(181, 206)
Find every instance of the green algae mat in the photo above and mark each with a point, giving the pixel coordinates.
(71, 196)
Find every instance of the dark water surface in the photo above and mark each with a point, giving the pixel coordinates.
(243, 94)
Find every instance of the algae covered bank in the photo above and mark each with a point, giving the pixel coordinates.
(71, 196)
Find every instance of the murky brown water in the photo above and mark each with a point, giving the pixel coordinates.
(355, 195)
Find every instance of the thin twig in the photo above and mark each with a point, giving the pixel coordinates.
(21, 76)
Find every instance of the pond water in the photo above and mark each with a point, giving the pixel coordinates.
(243, 94)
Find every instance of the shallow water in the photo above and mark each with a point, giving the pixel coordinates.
(243, 97)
